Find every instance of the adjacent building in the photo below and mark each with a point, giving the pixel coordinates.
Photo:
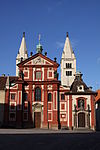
(97, 101)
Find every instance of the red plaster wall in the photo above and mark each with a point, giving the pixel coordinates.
(70, 111)
(92, 112)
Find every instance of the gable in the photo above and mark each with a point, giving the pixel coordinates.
(14, 86)
(38, 59)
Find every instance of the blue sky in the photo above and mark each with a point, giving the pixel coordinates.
(52, 19)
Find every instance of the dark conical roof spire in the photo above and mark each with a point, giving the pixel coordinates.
(67, 34)
(23, 34)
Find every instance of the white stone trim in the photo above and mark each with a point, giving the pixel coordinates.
(27, 72)
(14, 86)
(50, 70)
(42, 74)
(27, 87)
(65, 118)
(41, 103)
(15, 96)
(64, 105)
(68, 111)
(49, 87)
(19, 104)
(33, 74)
(54, 100)
(51, 107)
(14, 106)
(51, 116)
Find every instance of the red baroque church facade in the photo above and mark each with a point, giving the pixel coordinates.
(36, 98)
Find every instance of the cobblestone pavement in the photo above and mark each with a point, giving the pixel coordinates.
(31, 139)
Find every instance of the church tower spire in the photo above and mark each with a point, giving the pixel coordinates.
(22, 53)
(68, 64)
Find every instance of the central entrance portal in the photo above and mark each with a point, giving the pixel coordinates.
(37, 119)
(81, 120)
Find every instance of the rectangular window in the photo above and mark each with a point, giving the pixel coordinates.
(25, 96)
(62, 97)
(38, 75)
(68, 65)
(25, 74)
(13, 96)
(68, 73)
(37, 94)
(50, 74)
(49, 97)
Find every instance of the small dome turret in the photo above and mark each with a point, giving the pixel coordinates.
(78, 75)
(39, 46)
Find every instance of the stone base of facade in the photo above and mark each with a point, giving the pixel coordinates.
(50, 126)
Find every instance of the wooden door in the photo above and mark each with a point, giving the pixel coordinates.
(81, 120)
(37, 119)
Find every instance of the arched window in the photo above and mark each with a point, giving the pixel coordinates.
(49, 97)
(68, 65)
(81, 103)
(38, 94)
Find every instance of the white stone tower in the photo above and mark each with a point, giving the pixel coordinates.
(22, 53)
(68, 64)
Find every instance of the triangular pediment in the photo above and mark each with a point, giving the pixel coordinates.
(14, 86)
(38, 59)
